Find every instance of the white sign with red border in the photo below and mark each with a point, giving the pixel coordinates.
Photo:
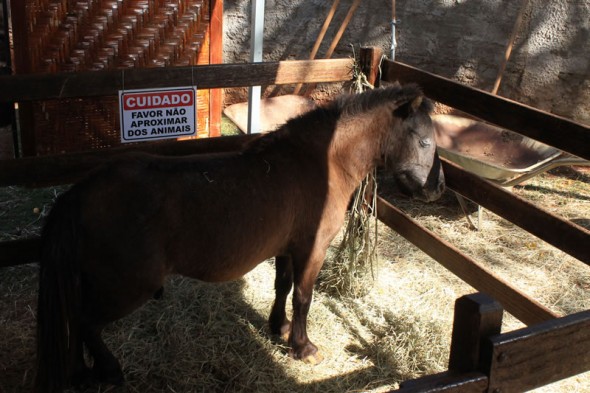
(151, 114)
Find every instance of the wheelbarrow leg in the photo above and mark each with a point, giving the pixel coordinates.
(463, 204)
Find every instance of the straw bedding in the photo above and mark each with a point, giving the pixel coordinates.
(213, 337)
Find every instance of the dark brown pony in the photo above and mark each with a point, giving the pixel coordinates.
(111, 240)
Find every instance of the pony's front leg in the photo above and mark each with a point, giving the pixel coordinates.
(278, 321)
(305, 272)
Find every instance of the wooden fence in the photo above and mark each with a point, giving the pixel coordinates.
(481, 359)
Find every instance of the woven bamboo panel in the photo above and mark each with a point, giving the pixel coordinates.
(82, 35)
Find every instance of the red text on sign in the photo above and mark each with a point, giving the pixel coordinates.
(157, 100)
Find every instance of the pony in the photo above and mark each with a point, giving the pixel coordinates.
(111, 239)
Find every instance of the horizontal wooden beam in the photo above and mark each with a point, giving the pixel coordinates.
(545, 127)
(68, 168)
(446, 382)
(535, 356)
(514, 301)
(19, 252)
(31, 87)
(563, 234)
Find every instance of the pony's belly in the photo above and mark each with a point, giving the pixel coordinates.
(213, 267)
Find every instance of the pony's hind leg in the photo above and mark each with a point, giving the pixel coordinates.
(108, 306)
(81, 373)
(278, 321)
(106, 368)
(103, 306)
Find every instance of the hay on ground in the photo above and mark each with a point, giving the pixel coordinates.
(204, 337)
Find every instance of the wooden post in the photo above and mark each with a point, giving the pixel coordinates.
(476, 316)
(393, 32)
(369, 60)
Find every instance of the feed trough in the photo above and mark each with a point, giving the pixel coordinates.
(493, 153)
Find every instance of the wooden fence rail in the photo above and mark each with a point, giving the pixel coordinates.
(67, 168)
(553, 130)
(31, 87)
(528, 358)
(517, 303)
(573, 239)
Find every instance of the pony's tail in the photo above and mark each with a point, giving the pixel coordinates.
(59, 298)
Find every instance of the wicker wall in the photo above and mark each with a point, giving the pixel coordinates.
(82, 35)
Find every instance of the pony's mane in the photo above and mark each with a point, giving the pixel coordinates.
(353, 104)
(304, 127)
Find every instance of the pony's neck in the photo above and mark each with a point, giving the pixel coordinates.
(357, 146)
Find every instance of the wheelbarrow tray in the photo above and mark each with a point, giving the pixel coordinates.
(274, 111)
(489, 151)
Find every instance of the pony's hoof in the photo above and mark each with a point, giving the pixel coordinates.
(308, 354)
(159, 294)
(112, 377)
(314, 359)
(83, 378)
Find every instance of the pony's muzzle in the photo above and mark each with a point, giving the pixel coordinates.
(435, 183)
(426, 188)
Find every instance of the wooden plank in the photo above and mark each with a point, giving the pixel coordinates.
(67, 168)
(21, 63)
(109, 82)
(216, 57)
(515, 302)
(477, 316)
(531, 357)
(20, 36)
(320, 38)
(446, 382)
(19, 252)
(553, 130)
(556, 231)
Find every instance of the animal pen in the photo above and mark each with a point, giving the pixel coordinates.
(481, 358)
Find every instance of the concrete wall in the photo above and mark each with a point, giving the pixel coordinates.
(461, 39)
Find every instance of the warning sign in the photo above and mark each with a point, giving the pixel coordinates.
(150, 114)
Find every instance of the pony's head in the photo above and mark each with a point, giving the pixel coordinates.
(409, 150)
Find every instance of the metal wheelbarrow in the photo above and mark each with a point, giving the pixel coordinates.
(501, 156)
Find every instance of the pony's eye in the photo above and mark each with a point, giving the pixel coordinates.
(425, 142)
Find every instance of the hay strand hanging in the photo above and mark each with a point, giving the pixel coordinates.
(351, 271)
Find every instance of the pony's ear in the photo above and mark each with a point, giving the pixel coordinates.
(415, 103)
(409, 107)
